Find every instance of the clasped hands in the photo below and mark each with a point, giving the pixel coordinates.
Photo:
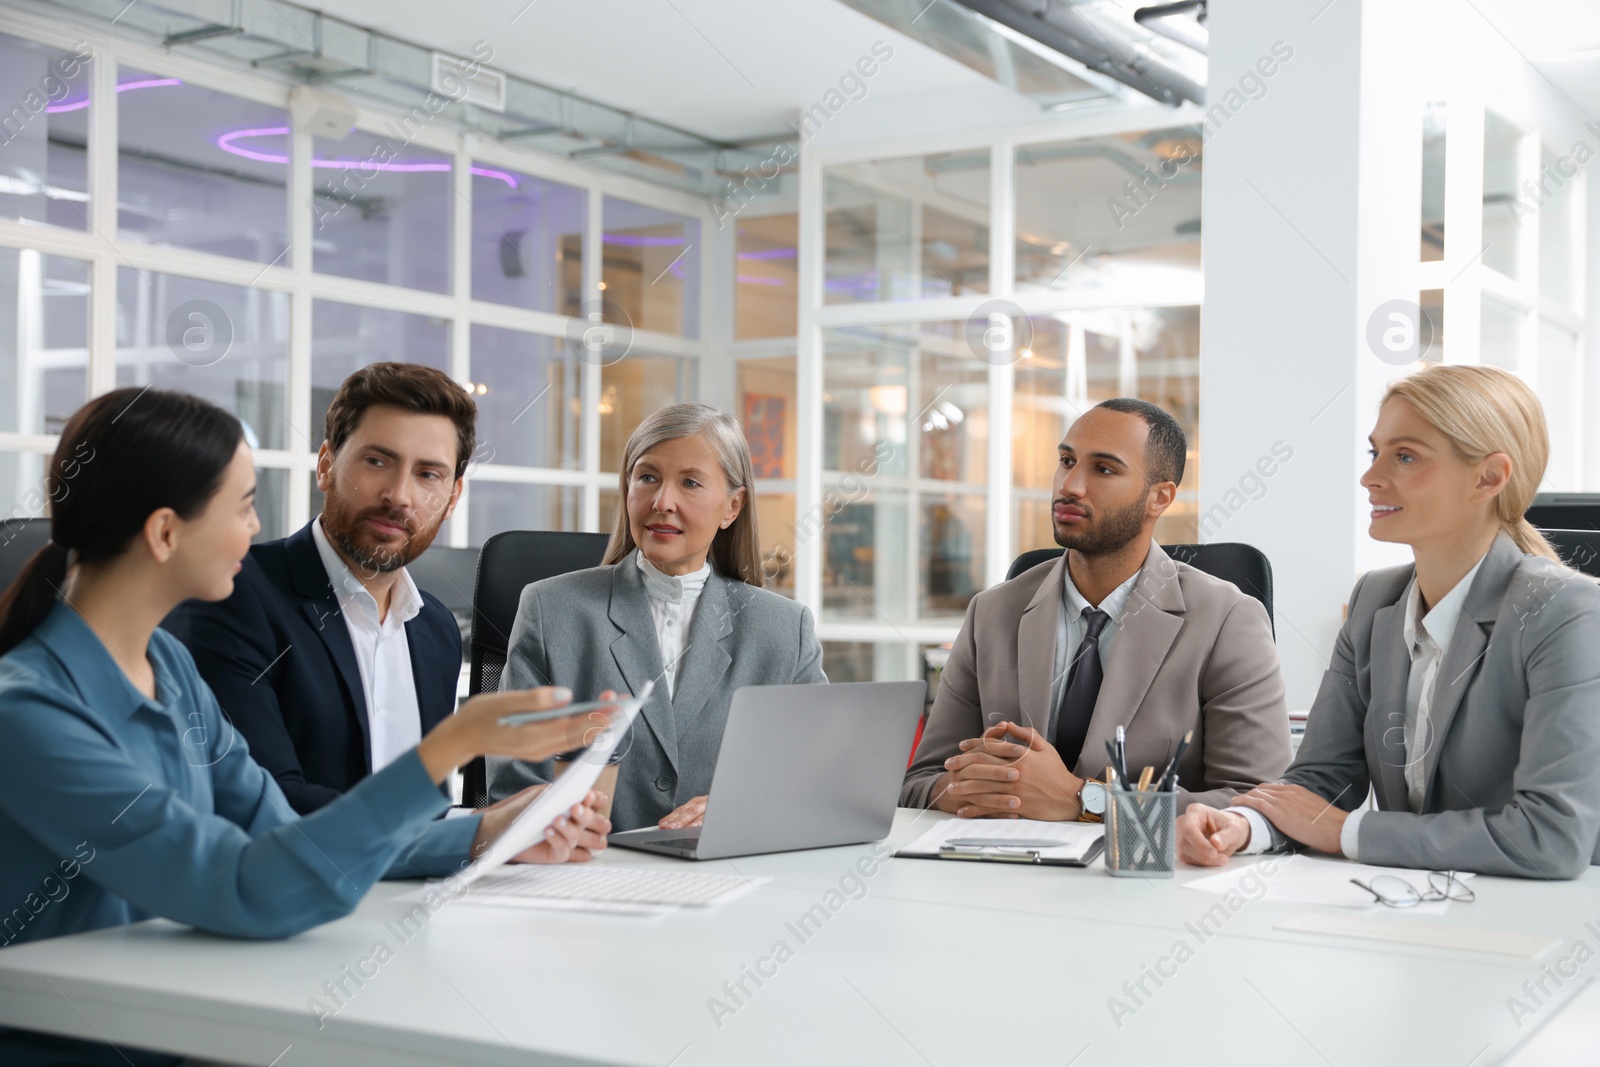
(1022, 778)
(1207, 836)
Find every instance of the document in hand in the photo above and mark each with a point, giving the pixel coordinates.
(1071, 844)
(528, 828)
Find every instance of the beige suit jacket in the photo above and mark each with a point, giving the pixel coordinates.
(1191, 652)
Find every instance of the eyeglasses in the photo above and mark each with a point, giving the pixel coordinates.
(1398, 893)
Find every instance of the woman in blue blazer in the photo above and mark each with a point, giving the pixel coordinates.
(124, 793)
(679, 600)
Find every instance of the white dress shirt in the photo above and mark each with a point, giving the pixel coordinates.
(383, 654)
(1427, 639)
(1070, 627)
(672, 602)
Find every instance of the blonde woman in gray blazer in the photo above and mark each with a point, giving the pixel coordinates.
(1464, 690)
(679, 600)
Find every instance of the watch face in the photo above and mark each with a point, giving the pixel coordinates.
(1094, 798)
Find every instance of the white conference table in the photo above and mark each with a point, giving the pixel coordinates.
(934, 963)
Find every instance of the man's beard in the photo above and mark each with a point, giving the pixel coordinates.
(1117, 529)
(343, 528)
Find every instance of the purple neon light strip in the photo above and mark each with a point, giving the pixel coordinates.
(226, 143)
(79, 105)
(638, 239)
(769, 253)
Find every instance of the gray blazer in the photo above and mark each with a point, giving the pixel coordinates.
(1193, 653)
(1514, 770)
(591, 631)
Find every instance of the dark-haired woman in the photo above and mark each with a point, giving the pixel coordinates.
(118, 771)
(678, 600)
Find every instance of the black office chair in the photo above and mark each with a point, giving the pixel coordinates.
(1565, 511)
(1244, 565)
(507, 564)
(449, 573)
(19, 540)
(1579, 548)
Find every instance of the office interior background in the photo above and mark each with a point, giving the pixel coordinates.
(904, 243)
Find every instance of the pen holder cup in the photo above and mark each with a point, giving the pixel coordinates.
(1141, 833)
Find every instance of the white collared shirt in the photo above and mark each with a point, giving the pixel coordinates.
(1427, 639)
(672, 602)
(383, 654)
(1071, 628)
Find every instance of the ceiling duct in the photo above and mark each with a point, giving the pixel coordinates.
(1162, 19)
(1098, 44)
(312, 48)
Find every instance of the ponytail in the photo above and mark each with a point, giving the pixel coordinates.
(31, 595)
(1531, 541)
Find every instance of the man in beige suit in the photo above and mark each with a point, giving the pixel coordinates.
(1114, 632)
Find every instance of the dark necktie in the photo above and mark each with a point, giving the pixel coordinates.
(1081, 691)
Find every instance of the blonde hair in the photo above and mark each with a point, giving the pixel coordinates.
(736, 550)
(1484, 410)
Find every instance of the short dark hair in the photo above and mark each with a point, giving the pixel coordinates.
(1166, 449)
(411, 387)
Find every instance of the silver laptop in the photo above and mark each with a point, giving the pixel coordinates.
(801, 766)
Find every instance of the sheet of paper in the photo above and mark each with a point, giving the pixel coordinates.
(528, 828)
(1070, 839)
(597, 887)
(1431, 935)
(1302, 879)
(490, 898)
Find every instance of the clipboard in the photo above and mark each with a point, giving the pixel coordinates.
(1001, 854)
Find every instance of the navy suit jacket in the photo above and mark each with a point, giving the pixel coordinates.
(278, 655)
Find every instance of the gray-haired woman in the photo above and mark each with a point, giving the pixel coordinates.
(679, 600)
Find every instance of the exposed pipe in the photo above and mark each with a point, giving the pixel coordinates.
(1070, 32)
(1155, 18)
(312, 47)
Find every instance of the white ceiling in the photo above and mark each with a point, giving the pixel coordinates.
(726, 69)
(734, 70)
(1560, 37)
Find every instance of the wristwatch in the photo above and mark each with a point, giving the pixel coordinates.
(1091, 801)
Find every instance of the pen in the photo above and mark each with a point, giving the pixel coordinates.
(1003, 842)
(1019, 856)
(1145, 776)
(1122, 752)
(1169, 777)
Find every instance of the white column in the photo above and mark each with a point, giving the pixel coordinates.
(1002, 377)
(808, 540)
(103, 223)
(1312, 210)
(589, 371)
(301, 438)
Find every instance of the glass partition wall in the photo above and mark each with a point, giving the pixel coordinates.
(904, 330)
(964, 302)
(165, 223)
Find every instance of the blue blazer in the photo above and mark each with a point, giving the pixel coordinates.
(278, 655)
(115, 807)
